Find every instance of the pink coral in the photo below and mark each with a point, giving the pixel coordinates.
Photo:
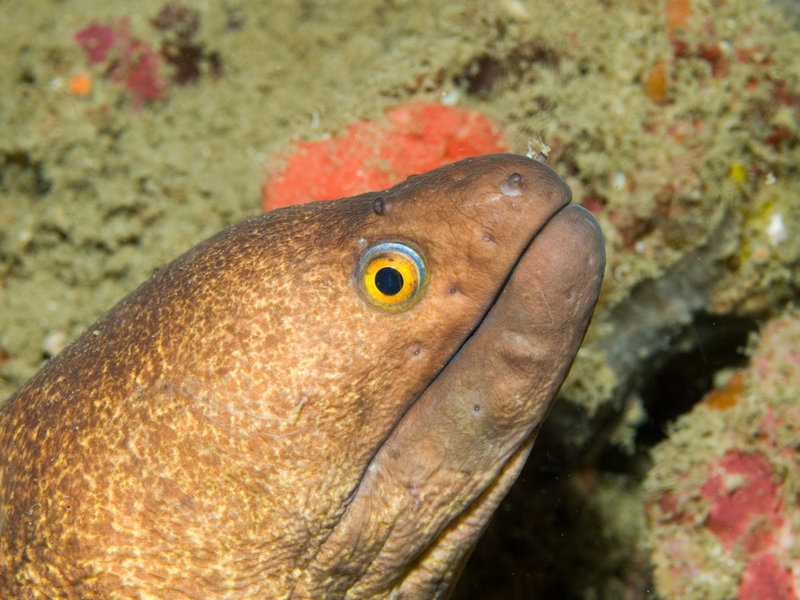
(722, 497)
(744, 505)
(130, 61)
(765, 578)
(139, 73)
(97, 40)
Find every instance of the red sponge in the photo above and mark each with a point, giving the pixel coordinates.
(371, 156)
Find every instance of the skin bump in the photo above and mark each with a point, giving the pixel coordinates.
(246, 425)
(511, 186)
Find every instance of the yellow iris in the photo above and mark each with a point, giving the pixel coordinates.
(392, 275)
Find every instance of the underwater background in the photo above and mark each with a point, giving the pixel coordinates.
(668, 468)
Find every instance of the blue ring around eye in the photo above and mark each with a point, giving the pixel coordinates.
(394, 247)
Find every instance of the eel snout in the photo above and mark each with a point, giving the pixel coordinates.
(427, 494)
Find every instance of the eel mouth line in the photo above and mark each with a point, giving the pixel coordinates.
(459, 433)
(480, 322)
(503, 283)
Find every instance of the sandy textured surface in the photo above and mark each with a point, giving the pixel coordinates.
(695, 185)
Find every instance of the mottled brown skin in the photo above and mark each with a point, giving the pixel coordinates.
(246, 425)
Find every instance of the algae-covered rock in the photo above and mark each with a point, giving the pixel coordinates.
(722, 497)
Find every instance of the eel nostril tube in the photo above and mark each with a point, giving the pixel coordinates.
(511, 185)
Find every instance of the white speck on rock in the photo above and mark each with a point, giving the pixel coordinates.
(776, 229)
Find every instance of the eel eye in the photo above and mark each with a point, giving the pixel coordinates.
(392, 275)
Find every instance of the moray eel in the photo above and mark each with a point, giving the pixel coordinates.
(325, 401)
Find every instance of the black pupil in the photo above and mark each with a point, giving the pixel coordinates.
(389, 281)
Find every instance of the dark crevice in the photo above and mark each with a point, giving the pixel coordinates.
(713, 342)
(483, 73)
(548, 538)
(674, 383)
(19, 172)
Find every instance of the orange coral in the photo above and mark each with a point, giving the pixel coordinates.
(418, 137)
(655, 83)
(80, 85)
(677, 14)
(727, 396)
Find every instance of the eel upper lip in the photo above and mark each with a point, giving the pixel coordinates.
(505, 279)
(503, 282)
(566, 254)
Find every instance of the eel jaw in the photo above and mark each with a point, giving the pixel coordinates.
(431, 488)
